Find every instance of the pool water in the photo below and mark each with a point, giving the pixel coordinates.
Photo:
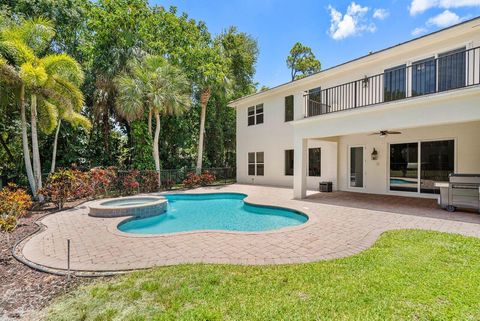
(401, 181)
(222, 211)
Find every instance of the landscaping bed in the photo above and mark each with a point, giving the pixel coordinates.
(23, 291)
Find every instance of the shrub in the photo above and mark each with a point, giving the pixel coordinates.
(130, 183)
(102, 180)
(60, 187)
(168, 184)
(14, 202)
(207, 178)
(149, 181)
(194, 180)
(191, 181)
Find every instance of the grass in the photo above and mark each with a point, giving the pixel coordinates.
(406, 275)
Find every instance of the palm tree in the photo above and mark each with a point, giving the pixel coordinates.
(52, 81)
(154, 86)
(211, 76)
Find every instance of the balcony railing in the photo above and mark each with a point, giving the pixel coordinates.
(457, 69)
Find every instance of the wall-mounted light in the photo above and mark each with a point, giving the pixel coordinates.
(374, 154)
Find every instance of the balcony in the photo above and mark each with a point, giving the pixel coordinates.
(451, 71)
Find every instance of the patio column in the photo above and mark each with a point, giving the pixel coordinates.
(300, 168)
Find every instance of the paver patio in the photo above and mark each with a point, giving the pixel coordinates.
(340, 224)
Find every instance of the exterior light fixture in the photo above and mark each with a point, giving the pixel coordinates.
(374, 154)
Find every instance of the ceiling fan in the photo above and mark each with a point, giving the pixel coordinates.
(384, 133)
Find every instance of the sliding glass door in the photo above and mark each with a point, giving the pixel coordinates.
(438, 160)
(404, 167)
(415, 167)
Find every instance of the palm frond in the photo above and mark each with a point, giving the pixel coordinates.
(47, 116)
(15, 50)
(64, 66)
(77, 119)
(33, 76)
(8, 73)
(68, 90)
(37, 33)
(130, 100)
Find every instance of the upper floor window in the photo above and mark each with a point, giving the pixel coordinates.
(424, 77)
(314, 161)
(255, 115)
(256, 164)
(289, 108)
(315, 102)
(395, 83)
(451, 69)
(289, 162)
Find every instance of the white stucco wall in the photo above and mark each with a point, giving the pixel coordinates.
(467, 153)
(273, 137)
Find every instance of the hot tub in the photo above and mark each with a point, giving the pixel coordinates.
(136, 206)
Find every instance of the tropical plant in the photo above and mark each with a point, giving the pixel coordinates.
(212, 76)
(154, 87)
(52, 82)
(14, 202)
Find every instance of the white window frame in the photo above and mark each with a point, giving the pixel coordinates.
(255, 114)
(255, 163)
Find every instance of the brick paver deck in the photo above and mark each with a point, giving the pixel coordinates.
(340, 224)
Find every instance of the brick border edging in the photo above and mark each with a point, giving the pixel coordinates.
(17, 253)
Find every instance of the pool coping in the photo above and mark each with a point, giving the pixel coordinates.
(112, 227)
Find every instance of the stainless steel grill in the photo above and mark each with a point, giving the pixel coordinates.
(462, 191)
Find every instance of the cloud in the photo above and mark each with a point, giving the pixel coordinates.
(419, 6)
(352, 23)
(419, 31)
(444, 19)
(381, 14)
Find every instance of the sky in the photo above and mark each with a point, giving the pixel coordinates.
(336, 30)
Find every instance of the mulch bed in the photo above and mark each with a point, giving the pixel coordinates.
(22, 289)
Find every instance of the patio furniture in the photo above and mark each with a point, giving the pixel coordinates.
(462, 190)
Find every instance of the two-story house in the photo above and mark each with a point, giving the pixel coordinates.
(392, 122)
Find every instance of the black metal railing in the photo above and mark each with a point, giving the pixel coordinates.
(454, 70)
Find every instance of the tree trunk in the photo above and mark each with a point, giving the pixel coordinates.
(37, 169)
(156, 155)
(55, 141)
(26, 149)
(150, 123)
(204, 98)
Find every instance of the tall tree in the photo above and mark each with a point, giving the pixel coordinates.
(51, 81)
(302, 61)
(155, 87)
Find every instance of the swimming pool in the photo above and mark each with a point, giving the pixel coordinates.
(220, 211)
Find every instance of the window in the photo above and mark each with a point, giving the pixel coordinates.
(255, 164)
(289, 108)
(251, 164)
(394, 83)
(255, 115)
(314, 162)
(315, 102)
(423, 77)
(451, 69)
(289, 162)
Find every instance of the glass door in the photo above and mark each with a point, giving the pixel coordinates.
(356, 166)
(415, 167)
(438, 160)
(404, 167)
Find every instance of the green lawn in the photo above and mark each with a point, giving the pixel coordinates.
(414, 275)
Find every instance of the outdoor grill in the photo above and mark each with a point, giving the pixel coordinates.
(462, 190)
